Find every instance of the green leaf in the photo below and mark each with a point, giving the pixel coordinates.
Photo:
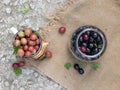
(14, 52)
(43, 58)
(100, 46)
(16, 49)
(17, 71)
(95, 66)
(67, 65)
(24, 10)
(36, 33)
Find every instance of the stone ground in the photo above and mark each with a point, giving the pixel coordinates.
(11, 16)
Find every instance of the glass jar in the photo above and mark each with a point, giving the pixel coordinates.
(42, 48)
(80, 44)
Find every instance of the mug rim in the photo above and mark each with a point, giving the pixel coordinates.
(82, 55)
(101, 35)
(37, 50)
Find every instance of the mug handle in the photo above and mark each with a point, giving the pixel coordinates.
(14, 30)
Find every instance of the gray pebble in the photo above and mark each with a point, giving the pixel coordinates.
(15, 3)
(1, 20)
(0, 78)
(55, 85)
(21, 88)
(22, 1)
(30, 82)
(49, 1)
(32, 6)
(8, 10)
(36, 74)
(27, 21)
(6, 83)
(6, 2)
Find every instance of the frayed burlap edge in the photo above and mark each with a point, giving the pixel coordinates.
(55, 17)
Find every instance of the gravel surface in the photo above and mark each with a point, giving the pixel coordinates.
(16, 13)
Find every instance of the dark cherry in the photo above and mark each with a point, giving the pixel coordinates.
(91, 33)
(84, 44)
(85, 37)
(88, 51)
(62, 30)
(81, 71)
(91, 40)
(76, 66)
(15, 65)
(95, 50)
(95, 35)
(91, 45)
(100, 42)
(21, 63)
(81, 39)
(99, 49)
(17, 37)
(88, 32)
(83, 49)
(98, 39)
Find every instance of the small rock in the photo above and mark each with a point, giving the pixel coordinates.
(7, 61)
(3, 59)
(8, 10)
(59, 88)
(41, 84)
(30, 82)
(0, 78)
(32, 6)
(55, 85)
(27, 21)
(6, 83)
(31, 71)
(1, 20)
(51, 83)
(6, 2)
(19, 18)
(9, 19)
(49, 88)
(36, 74)
(49, 1)
(13, 87)
(22, 1)
(22, 88)
(16, 3)
(13, 30)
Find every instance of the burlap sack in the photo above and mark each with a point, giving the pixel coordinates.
(104, 14)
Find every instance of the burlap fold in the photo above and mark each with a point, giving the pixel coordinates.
(104, 14)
